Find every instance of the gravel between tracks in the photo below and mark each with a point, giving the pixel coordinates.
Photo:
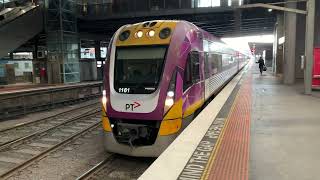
(39, 115)
(75, 158)
(123, 168)
(68, 161)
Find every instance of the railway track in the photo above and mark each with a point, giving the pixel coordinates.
(97, 168)
(116, 166)
(24, 130)
(21, 152)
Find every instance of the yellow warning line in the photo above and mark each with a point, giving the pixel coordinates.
(205, 173)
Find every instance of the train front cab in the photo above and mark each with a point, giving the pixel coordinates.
(178, 117)
(180, 95)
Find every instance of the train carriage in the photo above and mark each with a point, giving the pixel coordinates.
(158, 75)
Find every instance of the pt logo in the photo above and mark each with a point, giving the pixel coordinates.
(132, 106)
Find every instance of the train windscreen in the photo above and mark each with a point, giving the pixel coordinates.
(138, 69)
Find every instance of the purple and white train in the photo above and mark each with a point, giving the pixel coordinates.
(158, 75)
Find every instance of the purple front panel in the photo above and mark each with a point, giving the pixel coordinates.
(175, 60)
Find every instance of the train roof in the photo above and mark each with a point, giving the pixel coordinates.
(156, 26)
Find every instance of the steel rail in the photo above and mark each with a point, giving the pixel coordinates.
(14, 112)
(42, 154)
(18, 140)
(46, 118)
(96, 168)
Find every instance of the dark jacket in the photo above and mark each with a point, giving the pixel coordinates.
(261, 63)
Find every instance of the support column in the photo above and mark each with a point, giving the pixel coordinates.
(300, 41)
(35, 64)
(97, 47)
(290, 45)
(309, 45)
(317, 24)
(275, 47)
(280, 47)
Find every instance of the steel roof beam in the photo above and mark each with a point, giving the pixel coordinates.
(269, 6)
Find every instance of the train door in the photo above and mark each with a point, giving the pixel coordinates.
(192, 85)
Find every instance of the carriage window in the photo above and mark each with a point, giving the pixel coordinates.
(195, 67)
(192, 70)
(187, 82)
(207, 65)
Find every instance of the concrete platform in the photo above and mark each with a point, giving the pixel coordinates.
(285, 131)
(256, 128)
(20, 86)
(4, 124)
(24, 87)
(20, 100)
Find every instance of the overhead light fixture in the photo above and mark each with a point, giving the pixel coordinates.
(270, 10)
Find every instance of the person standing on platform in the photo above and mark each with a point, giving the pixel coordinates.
(261, 65)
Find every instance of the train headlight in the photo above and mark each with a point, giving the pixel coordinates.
(139, 34)
(124, 35)
(104, 99)
(169, 102)
(151, 33)
(165, 33)
(170, 94)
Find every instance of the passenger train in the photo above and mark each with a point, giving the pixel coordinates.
(158, 75)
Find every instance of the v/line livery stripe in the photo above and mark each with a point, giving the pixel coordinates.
(230, 159)
(212, 84)
(192, 108)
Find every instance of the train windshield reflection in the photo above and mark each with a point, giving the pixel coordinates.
(138, 69)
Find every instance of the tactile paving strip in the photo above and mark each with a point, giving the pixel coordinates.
(195, 168)
(230, 159)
